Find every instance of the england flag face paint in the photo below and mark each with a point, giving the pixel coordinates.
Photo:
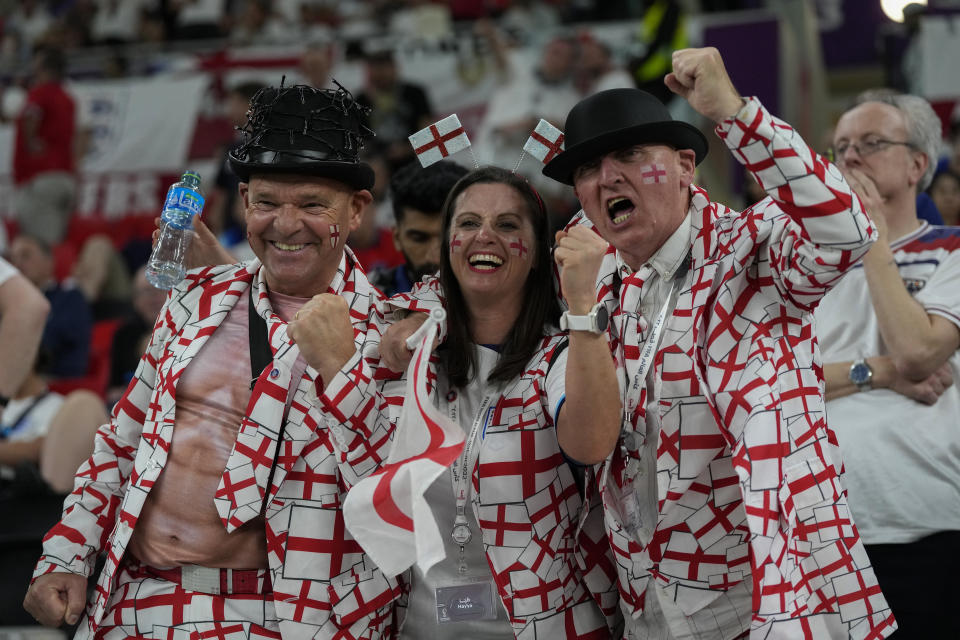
(655, 173)
(518, 248)
(456, 244)
(334, 235)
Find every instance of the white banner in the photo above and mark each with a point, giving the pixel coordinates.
(139, 125)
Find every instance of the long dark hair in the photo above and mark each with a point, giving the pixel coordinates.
(540, 300)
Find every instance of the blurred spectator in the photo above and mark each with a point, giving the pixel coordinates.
(30, 21)
(595, 70)
(131, 338)
(101, 274)
(544, 91)
(421, 20)
(529, 19)
(196, 19)
(226, 215)
(398, 108)
(258, 24)
(316, 63)
(44, 151)
(116, 21)
(945, 192)
(372, 241)
(23, 312)
(528, 94)
(66, 335)
(417, 195)
(23, 426)
(952, 159)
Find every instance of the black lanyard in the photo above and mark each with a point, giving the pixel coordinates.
(260, 352)
(261, 355)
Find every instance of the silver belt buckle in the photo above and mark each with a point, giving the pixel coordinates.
(201, 579)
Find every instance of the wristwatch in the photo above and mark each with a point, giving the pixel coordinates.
(594, 322)
(861, 375)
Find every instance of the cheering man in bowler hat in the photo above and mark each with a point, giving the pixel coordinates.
(722, 491)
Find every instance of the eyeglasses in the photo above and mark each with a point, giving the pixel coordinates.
(865, 148)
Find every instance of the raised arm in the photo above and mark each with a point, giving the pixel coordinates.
(812, 229)
(588, 424)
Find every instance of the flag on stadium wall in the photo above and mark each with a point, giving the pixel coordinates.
(387, 512)
(441, 139)
(545, 142)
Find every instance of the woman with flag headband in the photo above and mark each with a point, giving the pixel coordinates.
(476, 494)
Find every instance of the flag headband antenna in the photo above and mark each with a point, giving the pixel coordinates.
(446, 137)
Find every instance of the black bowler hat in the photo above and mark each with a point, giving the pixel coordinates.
(307, 131)
(615, 119)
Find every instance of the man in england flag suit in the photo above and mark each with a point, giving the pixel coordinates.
(723, 497)
(215, 490)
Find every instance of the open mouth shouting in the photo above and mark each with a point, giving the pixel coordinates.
(484, 262)
(619, 209)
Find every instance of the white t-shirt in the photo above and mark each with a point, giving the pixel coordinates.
(7, 271)
(902, 458)
(16, 423)
(421, 618)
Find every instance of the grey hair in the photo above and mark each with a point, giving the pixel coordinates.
(923, 125)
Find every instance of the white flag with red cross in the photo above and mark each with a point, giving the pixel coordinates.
(441, 139)
(545, 142)
(387, 512)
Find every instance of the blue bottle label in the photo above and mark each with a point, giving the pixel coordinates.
(181, 205)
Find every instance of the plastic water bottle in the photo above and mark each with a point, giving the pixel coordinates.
(184, 200)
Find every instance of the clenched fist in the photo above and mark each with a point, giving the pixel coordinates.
(700, 77)
(56, 598)
(579, 253)
(322, 330)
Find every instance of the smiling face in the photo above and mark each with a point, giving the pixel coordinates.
(491, 242)
(637, 196)
(297, 226)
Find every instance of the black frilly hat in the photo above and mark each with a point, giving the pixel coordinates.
(299, 129)
(618, 118)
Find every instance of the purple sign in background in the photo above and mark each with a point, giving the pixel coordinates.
(848, 31)
(751, 53)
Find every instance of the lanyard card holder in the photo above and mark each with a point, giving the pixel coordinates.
(466, 601)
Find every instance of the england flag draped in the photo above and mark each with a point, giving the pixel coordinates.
(386, 512)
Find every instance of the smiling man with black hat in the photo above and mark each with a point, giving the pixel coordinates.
(215, 490)
(723, 489)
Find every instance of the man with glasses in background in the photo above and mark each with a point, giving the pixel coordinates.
(889, 334)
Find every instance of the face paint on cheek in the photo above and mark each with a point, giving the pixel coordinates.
(517, 248)
(334, 235)
(455, 244)
(655, 173)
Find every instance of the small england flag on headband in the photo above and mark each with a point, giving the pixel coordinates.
(439, 140)
(545, 142)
